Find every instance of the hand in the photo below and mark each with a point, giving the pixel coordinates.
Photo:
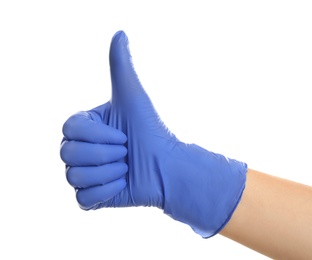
(121, 154)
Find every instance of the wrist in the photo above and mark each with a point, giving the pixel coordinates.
(201, 188)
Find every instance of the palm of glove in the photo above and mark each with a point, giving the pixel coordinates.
(114, 153)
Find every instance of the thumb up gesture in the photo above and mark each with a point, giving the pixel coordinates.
(120, 154)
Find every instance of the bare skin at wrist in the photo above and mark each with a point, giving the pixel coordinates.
(273, 218)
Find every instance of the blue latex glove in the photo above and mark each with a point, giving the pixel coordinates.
(121, 154)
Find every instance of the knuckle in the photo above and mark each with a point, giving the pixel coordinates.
(82, 200)
(65, 152)
(72, 178)
(72, 123)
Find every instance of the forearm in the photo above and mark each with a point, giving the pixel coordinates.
(274, 217)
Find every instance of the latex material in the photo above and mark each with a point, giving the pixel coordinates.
(121, 154)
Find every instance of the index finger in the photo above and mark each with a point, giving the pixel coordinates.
(81, 127)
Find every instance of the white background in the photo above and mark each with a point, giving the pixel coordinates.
(231, 76)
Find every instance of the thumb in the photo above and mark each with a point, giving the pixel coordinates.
(123, 76)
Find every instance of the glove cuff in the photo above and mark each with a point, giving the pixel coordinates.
(201, 188)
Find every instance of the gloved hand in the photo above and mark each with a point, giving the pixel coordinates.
(121, 154)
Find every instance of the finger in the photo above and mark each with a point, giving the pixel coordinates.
(123, 75)
(75, 153)
(90, 197)
(84, 177)
(86, 127)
